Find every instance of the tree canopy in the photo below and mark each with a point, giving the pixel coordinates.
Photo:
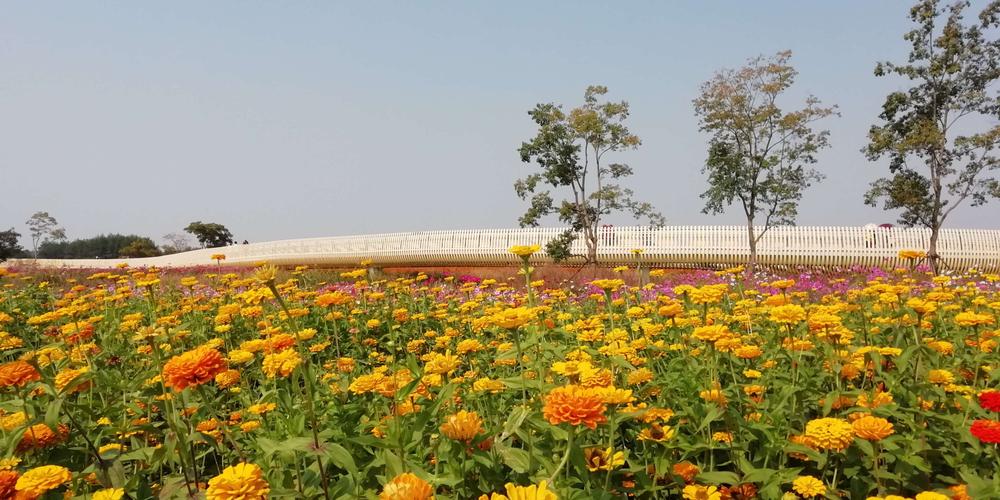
(759, 154)
(210, 234)
(569, 150)
(105, 246)
(938, 158)
(9, 246)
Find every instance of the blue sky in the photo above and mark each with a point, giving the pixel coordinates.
(297, 119)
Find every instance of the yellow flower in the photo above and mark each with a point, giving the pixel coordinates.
(700, 492)
(242, 481)
(940, 377)
(912, 254)
(227, 378)
(68, 375)
(39, 480)
(808, 486)
(441, 364)
(829, 434)
(603, 459)
(262, 408)
(532, 492)
(656, 433)
(281, 363)
(608, 285)
(788, 314)
(407, 486)
(513, 317)
(12, 421)
(524, 251)
(266, 274)
(931, 495)
(462, 426)
(108, 494)
(711, 333)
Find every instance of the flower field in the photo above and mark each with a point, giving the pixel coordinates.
(263, 383)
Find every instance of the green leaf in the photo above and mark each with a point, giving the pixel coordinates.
(52, 413)
(719, 477)
(341, 458)
(514, 421)
(514, 458)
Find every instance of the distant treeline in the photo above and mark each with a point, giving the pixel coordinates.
(105, 246)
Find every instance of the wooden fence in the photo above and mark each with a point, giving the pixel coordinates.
(674, 246)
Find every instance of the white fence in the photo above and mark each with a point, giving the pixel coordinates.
(674, 246)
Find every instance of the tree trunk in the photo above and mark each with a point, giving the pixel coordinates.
(752, 263)
(592, 248)
(932, 256)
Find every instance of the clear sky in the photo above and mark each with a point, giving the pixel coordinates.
(299, 119)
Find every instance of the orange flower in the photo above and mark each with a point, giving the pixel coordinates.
(462, 426)
(193, 368)
(8, 480)
(333, 299)
(17, 373)
(41, 436)
(575, 405)
(407, 486)
(227, 378)
(686, 470)
(872, 428)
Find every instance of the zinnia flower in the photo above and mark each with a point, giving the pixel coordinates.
(227, 378)
(603, 459)
(788, 314)
(701, 492)
(40, 436)
(808, 486)
(872, 428)
(8, 480)
(575, 405)
(281, 363)
(39, 480)
(990, 400)
(931, 495)
(462, 426)
(531, 492)
(407, 486)
(108, 494)
(242, 481)
(686, 470)
(17, 373)
(193, 368)
(988, 431)
(65, 377)
(829, 434)
(656, 433)
(524, 251)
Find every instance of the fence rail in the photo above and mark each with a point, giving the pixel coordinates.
(673, 246)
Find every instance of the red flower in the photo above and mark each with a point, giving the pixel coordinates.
(988, 431)
(990, 400)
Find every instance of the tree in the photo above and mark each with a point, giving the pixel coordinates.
(592, 131)
(952, 68)
(105, 246)
(758, 154)
(176, 243)
(43, 227)
(140, 247)
(9, 246)
(210, 234)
